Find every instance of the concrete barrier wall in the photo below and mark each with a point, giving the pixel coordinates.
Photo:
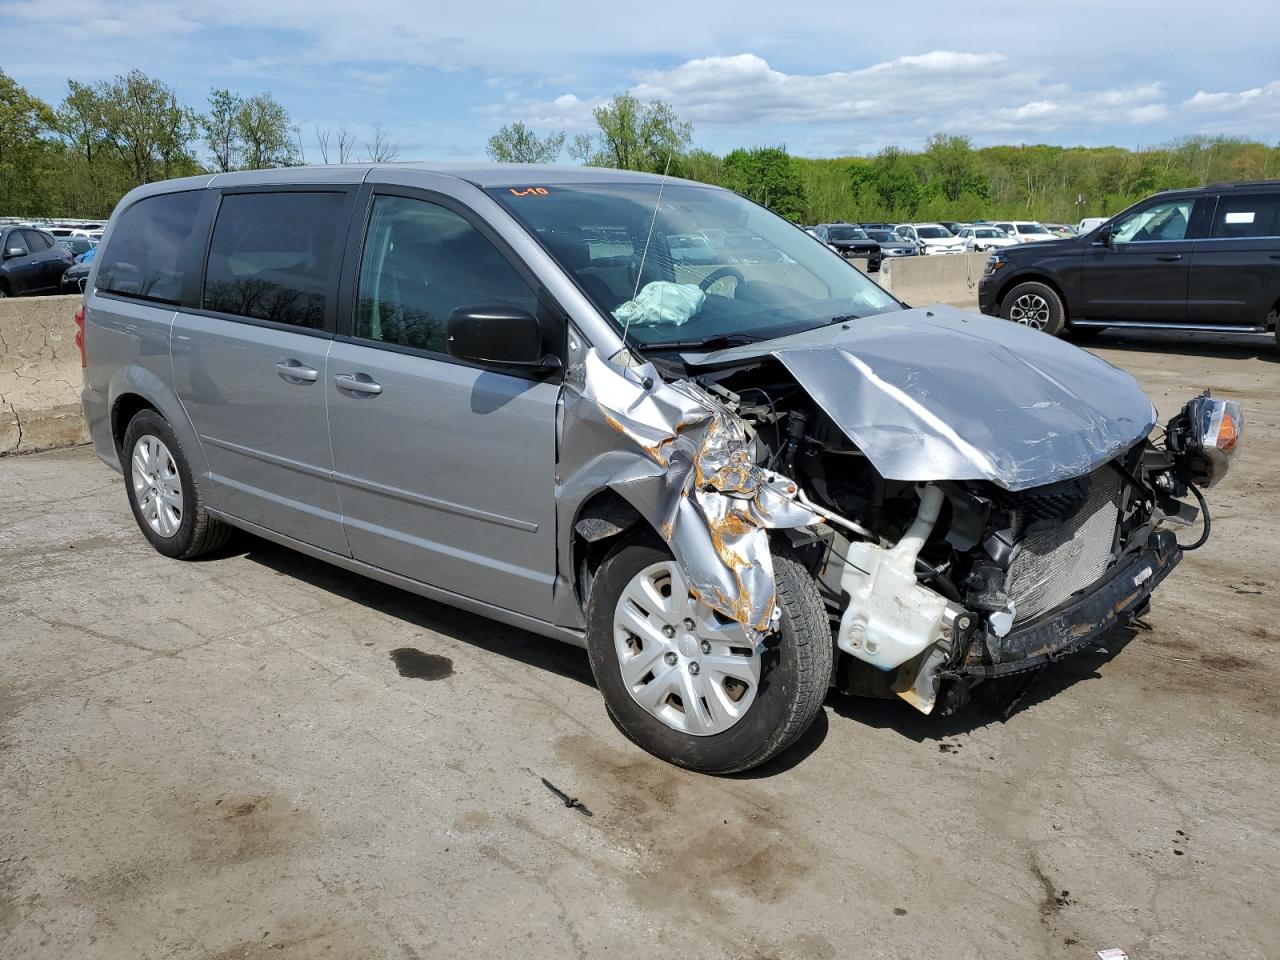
(40, 374)
(937, 278)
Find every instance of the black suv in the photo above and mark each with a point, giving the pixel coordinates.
(31, 261)
(851, 241)
(1201, 259)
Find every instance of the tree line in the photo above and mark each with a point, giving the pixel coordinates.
(949, 179)
(78, 157)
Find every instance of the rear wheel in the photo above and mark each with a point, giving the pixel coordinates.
(166, 502)
(689, 685)
(1035, 305)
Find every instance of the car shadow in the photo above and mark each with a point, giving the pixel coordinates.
(989, 699)
(565, 660)
(473, 629)
(1186, 343)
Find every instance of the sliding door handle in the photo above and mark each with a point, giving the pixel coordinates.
(357, 383)
(293, 371)
(1169, 257)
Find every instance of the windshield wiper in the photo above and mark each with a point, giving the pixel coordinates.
(720, 342)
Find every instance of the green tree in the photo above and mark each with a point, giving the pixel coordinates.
(265, 133)
(950, 168)
(24, 123)
(701, 165)
(768, 176)
(147, 127)
(516, 143)
(638, 136)
(221, 129)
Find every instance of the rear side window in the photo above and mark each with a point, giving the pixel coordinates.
(144, 257)
(273, 256)
(1248, 216)
(37, 242)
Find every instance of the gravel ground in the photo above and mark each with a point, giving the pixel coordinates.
(260, 756)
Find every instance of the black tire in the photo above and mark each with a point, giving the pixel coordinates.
(197, 533)
(796, 671)
(1035, 301)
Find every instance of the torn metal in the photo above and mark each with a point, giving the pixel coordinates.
(688, 469)
(944, 394)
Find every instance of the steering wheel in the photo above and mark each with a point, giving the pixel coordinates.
(715, 276)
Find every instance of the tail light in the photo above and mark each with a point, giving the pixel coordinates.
(84, 361)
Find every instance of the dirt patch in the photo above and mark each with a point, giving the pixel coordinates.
(1225, 662)
(746, 846)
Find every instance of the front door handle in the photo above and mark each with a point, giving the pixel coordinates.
(1169, 257)
(357, 383)
(295, 372)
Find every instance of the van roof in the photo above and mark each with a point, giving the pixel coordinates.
(480, 174)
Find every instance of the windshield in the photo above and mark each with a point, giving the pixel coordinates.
(933, 233)
(884, 236)
(989, 233)
(758, 277)
(846, 233)
(1031, 228)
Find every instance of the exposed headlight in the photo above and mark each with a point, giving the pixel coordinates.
(1204, 437)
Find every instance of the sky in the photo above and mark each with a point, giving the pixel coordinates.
(823, 79)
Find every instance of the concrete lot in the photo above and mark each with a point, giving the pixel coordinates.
(222, 760)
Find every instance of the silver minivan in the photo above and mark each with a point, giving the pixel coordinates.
(737, 481)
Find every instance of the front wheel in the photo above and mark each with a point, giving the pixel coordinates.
(689, 685)
(1035, 305)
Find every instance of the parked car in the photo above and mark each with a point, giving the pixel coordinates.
(979, 238)
(31, 262)
(76, 277)
(892, 245)
(1025, 231)
(1061, 230)
(420, 375)
(953, 226)
(850, 240)
(1089, 224)
(691, 249)
(77, 245)
(1202, 259)
(933, 238)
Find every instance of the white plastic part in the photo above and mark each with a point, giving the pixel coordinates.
(890, 618)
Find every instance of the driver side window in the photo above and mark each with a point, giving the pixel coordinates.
(1161, 221)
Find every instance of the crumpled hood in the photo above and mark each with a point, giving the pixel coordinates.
(939, 393)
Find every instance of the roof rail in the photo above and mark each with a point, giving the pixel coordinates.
(1242, 184)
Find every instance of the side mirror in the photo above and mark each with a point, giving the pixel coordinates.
(1104, 237)
(12, 252)
(500, 333)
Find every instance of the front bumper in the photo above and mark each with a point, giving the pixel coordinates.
(987, 295)
(1077, 624)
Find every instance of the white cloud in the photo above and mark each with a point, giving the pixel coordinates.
(1252, 112)
(904, 100)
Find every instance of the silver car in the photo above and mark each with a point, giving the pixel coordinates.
(736, 484)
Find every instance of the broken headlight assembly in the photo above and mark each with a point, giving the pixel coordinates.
(1202, 439)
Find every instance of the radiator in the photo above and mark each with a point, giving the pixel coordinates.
(1060, 557)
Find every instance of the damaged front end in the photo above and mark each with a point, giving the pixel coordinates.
(975, 501)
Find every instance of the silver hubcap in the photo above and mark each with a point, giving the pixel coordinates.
(1030, 310)
(681, 661)
(156, 485)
